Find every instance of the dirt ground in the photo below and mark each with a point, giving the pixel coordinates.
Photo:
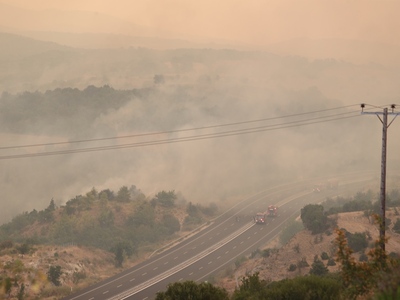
(275, 267)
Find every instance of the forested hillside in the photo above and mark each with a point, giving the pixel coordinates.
(91, 237)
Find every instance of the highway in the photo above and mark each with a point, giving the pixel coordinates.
(228, 237)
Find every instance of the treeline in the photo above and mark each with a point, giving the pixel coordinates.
(362, 201)
(61, 111)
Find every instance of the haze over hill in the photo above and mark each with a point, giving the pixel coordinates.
(81, 70)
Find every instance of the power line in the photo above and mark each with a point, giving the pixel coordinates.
(176, 131)
(242, 131)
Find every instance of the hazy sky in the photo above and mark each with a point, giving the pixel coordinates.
(251, 21)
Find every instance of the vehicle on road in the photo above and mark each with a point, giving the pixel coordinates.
(260, 218)
(272, 211)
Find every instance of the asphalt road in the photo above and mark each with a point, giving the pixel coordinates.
(229, 237)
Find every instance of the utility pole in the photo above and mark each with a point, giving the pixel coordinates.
(382, 197)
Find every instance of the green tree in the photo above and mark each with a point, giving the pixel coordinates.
(106, 195)
(119, 255)
(166, 199)
(144, 215)
(122, 249)
(357, 241)
(53, 275)
(123, 194)
(190, 290)
(251, 288)
(106, 218)
(318, 268)
(171, 223)
(314, 219)
(379, 272)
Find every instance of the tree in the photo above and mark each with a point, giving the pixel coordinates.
(123, 194)
(166, 199)
(54, 274)
(303, 287)
(314, 219)
(122, 249)
(357, 241)
(379, 272)
(171, 223)
(251, 288)
(106, 195)
(190, 290)
(119, 255)
(318, 268)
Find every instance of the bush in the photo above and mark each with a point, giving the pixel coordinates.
(292, 268)
(318, 268)
(331, 262)
(324, 256)
(171, 223)
(303, 263)
(267, 252)
(357, 241)
(314, 218)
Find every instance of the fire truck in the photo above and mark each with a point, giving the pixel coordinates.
(272, 211)
(260, 218)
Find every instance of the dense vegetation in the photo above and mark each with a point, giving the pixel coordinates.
(119, 222)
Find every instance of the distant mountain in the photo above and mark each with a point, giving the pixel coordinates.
(90, 30)
(359, 52)
(14, 46)
(115, 41)
(65, 21)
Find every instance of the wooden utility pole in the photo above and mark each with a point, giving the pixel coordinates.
(382, 197)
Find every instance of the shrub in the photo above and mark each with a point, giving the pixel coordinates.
(331, 262)
(318, 268)
(292, 268)
(303, 263)
(324, 256)
(357, 241)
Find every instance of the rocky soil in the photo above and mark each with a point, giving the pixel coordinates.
(304, 246)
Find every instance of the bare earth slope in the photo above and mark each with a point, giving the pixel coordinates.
(304, 246)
